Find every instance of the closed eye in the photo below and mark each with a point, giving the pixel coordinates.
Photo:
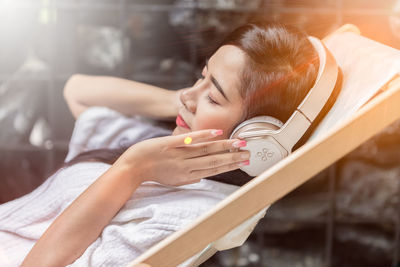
(211, 100)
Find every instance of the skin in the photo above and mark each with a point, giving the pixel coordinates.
(202, 107)
(195, 107)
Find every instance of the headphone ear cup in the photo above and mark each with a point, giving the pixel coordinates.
(264, 151)
(257, 123)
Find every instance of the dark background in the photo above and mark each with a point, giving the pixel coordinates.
(348, 215)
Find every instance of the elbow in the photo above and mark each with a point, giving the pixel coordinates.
(72, 90)
(71, 86)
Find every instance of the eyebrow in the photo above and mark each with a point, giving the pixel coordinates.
(215, 82)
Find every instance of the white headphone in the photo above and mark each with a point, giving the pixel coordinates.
(268, 139)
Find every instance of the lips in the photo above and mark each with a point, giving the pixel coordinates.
(180, 122)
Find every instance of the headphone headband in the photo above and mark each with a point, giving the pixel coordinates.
(298, 123)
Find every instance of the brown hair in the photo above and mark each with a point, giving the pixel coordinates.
(281, 67)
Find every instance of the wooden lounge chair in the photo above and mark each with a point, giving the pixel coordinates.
(368, 102)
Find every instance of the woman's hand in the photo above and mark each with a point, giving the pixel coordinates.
(168, 160)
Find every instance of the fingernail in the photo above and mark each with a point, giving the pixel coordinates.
(240, 143)
(245, 155)
(244, 163)
(217, 132)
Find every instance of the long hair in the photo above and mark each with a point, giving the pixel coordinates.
(281, 66)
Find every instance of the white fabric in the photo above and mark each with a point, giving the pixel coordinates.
(367, 66)
(153, 212)
(100, 127)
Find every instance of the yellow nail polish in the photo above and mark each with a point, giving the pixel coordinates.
(188, 140)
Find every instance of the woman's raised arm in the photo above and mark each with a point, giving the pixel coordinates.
(126, 96)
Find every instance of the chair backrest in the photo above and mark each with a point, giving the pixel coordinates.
(337, 135)
(361, 61)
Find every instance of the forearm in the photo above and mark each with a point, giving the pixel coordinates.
(125, 96)
(83, 221)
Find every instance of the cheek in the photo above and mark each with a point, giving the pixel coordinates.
(212, 119)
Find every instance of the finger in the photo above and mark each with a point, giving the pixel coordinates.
(212, 147)
(196, 137)
(217, 160)
(198, 174)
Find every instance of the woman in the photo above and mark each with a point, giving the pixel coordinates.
(251, 74)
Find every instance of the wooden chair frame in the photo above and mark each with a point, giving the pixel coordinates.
(279, 180)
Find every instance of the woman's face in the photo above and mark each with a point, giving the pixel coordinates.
(214, 102)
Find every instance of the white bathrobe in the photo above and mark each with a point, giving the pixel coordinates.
(152, 213)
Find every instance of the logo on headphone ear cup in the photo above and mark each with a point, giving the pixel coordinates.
(264, 152)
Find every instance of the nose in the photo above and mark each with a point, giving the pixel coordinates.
(188, 98)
